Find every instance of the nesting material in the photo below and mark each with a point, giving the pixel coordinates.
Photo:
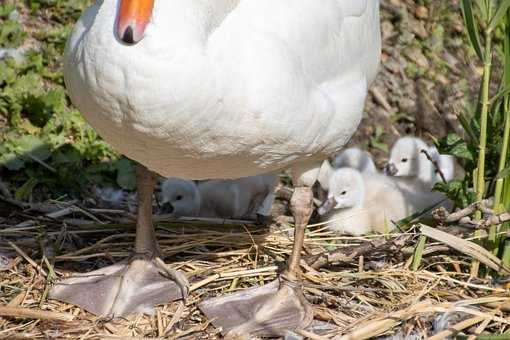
(360, 294)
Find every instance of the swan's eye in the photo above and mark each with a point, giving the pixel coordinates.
(404, 160)
(178, 198)
(343, 193)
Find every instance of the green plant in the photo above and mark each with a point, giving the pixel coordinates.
(484, 148)
(45, 145)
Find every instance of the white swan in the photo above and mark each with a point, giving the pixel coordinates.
(236, 199)
(225, 88)
(219, 89)
(355, 158)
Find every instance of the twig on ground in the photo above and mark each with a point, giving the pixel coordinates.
(463, 217)
(368, 249)
(26, 257)
(466, 247)
(20, 312)
(435, 164)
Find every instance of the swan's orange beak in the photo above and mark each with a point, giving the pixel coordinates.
(134, 16)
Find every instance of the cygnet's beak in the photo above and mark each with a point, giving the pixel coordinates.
(327, 206)
(390, 169)
(167, 208)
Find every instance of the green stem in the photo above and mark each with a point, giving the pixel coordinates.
(480, 187)
(502, 160)
(506, 254)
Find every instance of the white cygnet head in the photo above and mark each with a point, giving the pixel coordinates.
(346, 190)
(180, 197)
(357, 159)
(408, 160)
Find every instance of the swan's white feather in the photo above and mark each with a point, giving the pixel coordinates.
(227, 88)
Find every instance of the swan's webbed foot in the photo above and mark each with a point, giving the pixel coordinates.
(271, 310)
(276, 308)
(127, 287)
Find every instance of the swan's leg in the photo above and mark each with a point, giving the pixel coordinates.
(132, 286)
(275, 308)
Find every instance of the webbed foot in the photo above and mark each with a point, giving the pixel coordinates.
(271, 310)
(127, 287)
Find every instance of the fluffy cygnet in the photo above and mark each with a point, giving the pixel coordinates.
(407, 159)
(241, 198)
(359, 204)
(355, 158)
(446, 164)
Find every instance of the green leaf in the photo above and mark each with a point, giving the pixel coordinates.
(472, 27)
(33, 146)
(467, 127)
(457, 191)
(11, 161)
(26, 189)
(40, 108)
(454, 145)
(502, 93)
(503, 173)
(500, 14)
(126, 174)
(418, 252)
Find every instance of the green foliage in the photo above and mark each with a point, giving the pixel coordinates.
(486, 120)
(484, 150)
(11, 34)
(459, 191)
(377, 139)
(45, 145)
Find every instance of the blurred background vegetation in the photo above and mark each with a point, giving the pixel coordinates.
(46, 148)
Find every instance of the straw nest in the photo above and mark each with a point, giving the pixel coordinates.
(414, 284)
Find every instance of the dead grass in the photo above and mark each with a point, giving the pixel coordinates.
(363, 289)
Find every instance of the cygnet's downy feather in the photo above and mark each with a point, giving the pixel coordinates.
(409, 158)
(360, 203)
(355, 158)
(242, 198)
(363, 203)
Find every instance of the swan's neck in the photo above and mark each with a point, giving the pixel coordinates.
(181, 22)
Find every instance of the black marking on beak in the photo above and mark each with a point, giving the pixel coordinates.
(327, 206)
(168, 208)
(390, 169)
(129, 36)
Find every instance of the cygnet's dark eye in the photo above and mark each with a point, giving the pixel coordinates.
(178, 198)
(404, 160)
(343, 193)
